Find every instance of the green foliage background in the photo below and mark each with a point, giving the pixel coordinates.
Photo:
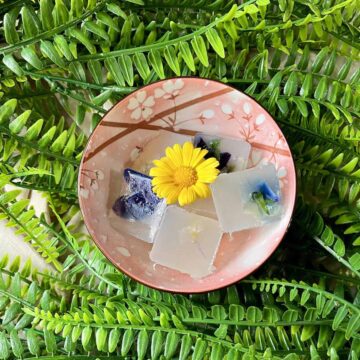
(298, 58)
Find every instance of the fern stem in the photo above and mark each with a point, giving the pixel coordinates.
(33, 239)
(79, 99)
(33, 186)
(304, 286)
(81, 258)
(159, 44)
(46, 34)
(345, 40)
(322, 274)
(77, 357)
(321, 137)
(82, 84)
(34, 146)
(16, 298)
(336, 256)
(326, 172)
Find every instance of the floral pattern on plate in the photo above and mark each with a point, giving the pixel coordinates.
(182, 106)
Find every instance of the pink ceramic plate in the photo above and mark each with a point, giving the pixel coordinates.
(183, 106)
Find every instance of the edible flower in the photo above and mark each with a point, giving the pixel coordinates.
(184, 174)
(265, 197)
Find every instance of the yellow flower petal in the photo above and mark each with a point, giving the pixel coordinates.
(202, 190)
(174, 154)
(183, 174)
(187, 153)
(207, 175)
(162, 164)
(155, 171)
(162, 180)
(173, 196)
(208, 163)
(187, 196)
(198, 156)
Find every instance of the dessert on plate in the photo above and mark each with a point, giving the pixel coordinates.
(182, 193)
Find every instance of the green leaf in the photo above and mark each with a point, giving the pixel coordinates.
(221, 331)
(29, 55)
(50, 341)
(171, 343)
(290, 87)
(12, 64)
(126, 68)
(253, 314)
(215, 41)
(187, 55)
(156, 62)
(9, 23)
(17, 124)
(321, 89)
(100, 337)
(107, 20)
(30, 22)
(48, 49)
(199, 47)
(127, 341)
(199, 350)
(63, 47)
(319, 59)
(301, 105)
(86, 337)
(171, 59)
(33, 342)
(46, 15)
(83, 39)
(96, 29)
(142, 344)
(16, 345)
(4, 346)
(141, 65)
(354, 261)
(7, 109)
(59, 144)
(156, 344)
(114, 69)
(339, 317)
(186, 344)
(353, 326)
(217, 352)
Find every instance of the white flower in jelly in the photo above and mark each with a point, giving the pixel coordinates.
(170, 89)
(141, 105)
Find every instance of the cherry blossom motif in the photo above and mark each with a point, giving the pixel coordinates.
(141, 105)
(247, 108)
(227, 109)
(260, 119)
(91, 181)
(170, 89)
(236, 96)
(206, 114)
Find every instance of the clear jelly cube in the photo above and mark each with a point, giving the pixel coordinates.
(186, 242)
(144, 229)
(232, 194)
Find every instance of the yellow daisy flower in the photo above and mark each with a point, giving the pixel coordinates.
(183, 174)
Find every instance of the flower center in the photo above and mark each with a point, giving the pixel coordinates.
(185, 176)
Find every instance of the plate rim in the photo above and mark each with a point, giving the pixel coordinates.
(98, 244)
